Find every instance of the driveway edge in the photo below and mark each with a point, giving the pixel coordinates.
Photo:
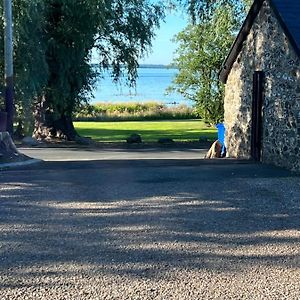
(13, 165)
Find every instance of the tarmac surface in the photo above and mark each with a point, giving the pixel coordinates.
(155, 226)
(111, 153)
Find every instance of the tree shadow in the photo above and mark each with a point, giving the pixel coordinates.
(144, 219)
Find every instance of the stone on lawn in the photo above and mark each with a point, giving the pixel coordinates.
(134, 139)
(165, 141)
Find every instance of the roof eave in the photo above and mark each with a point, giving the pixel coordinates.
(286, 30)
(247, 25)
(241, 37)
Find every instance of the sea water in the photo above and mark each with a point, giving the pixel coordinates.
(151, 85)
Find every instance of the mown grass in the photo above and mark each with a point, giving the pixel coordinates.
(151, 131)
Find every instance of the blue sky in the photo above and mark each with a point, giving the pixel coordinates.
(163, 48)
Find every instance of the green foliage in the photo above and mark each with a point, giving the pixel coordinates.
(54, 39)
(30, 66)
(133, 111)
(203, 48)
(29, 49)
(120, 30)
(203, 10)
(69, 35)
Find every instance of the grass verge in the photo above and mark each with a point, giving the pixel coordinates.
(151, 131)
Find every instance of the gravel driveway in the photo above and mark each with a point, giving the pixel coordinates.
(167, 229)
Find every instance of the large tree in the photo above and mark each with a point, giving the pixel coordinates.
(53, 45)
(203, 46)
(119, 30)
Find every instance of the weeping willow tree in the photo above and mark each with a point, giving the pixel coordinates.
(120, 31)
(203, 46)
(54, 41)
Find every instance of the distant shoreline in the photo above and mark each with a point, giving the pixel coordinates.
(153, 66)
(151, 84)
(150, 66)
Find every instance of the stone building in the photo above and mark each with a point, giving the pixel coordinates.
(262, 94)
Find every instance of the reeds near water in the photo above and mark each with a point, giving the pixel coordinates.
(134, 111)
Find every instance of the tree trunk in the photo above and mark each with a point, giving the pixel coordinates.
(48, 126)
(8, 150)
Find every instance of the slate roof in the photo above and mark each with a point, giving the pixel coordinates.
(288, 14)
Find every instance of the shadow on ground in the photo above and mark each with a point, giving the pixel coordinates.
(138, 217)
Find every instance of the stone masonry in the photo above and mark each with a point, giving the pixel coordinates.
(267, 49)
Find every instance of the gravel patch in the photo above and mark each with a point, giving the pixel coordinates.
(149, 231)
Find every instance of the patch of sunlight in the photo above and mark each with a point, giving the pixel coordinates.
(225, 209)
(134, 228)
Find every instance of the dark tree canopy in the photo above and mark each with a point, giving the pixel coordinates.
(30, 66)
(54, 43)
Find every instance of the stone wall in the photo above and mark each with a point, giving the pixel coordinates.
(266, 49)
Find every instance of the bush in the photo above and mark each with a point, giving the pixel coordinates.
(133, 111)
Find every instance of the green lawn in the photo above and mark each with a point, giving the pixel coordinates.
(151, 131)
